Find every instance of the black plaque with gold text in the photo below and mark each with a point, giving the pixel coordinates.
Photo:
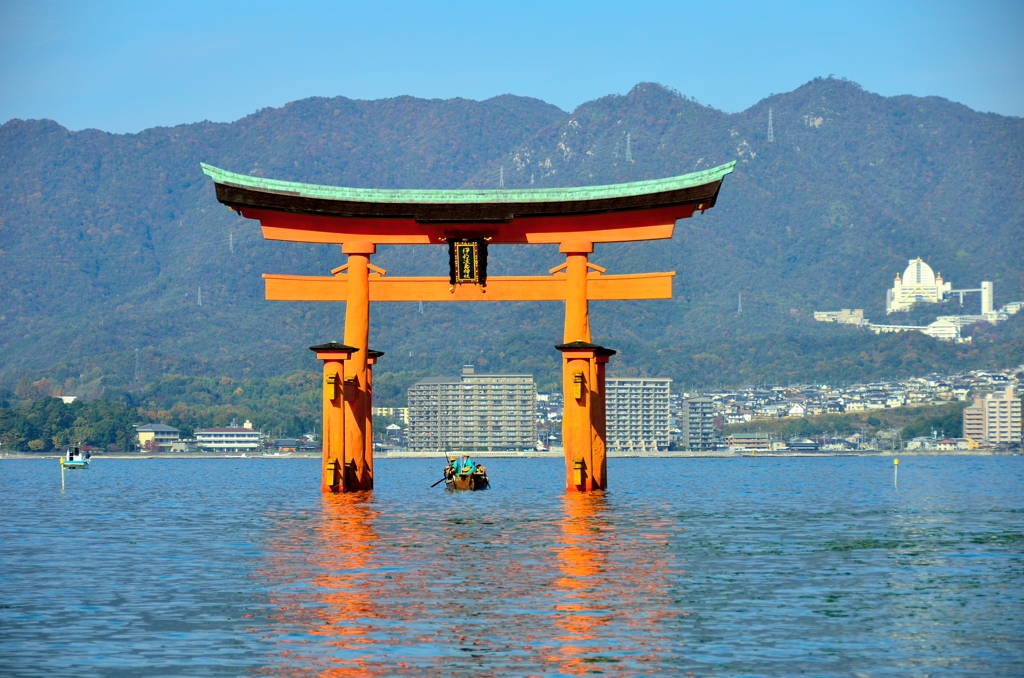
(467, 261)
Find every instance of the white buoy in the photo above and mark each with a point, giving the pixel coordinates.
(62, 474)
(895, 472)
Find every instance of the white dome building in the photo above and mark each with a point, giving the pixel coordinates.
(919, 285)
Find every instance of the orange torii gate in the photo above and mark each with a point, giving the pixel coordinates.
(468, 221)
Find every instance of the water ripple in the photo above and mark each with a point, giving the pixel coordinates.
(715, 567)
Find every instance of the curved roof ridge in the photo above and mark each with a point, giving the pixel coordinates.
(469, 196)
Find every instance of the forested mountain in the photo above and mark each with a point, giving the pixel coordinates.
(106, 240)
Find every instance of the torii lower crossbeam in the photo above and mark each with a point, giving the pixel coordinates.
(499, 288)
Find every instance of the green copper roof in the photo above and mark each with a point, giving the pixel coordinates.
(385, 195)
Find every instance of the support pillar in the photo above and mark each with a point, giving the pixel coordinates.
(371, 359)
(332, 461)
(598, 417)
(578, 390)
(358, 471)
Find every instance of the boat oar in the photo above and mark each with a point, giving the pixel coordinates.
(446, 477)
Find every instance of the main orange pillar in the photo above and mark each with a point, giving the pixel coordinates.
(358, 465)
(577, 309)
(578, 373)
(332, 461)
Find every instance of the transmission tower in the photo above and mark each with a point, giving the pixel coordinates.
(629, 147)
(739, 305)
(136, 366)
(771, 132)
(200, 295)
(231, 241)
(421, 308)
(501, 178)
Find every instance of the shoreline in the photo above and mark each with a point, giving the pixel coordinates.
(558, 455)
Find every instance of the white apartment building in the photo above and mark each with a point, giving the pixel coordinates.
(637, 414)
(473, 412)
(994, 418)
(698, 423)
(225, 440)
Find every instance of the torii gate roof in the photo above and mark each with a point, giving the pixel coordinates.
(641, 210)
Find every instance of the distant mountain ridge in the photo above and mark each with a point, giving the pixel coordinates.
(106, 240)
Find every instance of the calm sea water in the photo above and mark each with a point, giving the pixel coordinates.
(712, 566)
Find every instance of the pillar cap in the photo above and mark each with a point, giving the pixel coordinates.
(370, 353)
(358, 247)
(576, 247)
(333, 346)
(600, 352)
(578, 346)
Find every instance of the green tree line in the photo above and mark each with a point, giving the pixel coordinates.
(49, 423)
(30, 419)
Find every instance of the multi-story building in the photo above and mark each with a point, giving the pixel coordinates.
(994, 418)
(164, 436)
(637, 414)
(749, 441)
(919, 284)
(400, 413)
(843, 317)
(231, 439)
(473, 412)
(698, 423)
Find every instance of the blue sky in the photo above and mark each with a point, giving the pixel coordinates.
(126, 66)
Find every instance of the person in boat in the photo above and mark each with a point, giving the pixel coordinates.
(464, 467)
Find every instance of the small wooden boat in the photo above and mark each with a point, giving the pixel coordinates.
(75, 458)
(475, 480)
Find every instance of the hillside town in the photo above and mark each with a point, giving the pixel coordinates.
(766, 403)
(646, 418)
(775, 402)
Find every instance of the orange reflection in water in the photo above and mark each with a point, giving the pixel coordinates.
(338, 565)
(583, 585)
(604, 595)
(351, 604)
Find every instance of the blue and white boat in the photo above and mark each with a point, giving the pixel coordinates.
(75, 458)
